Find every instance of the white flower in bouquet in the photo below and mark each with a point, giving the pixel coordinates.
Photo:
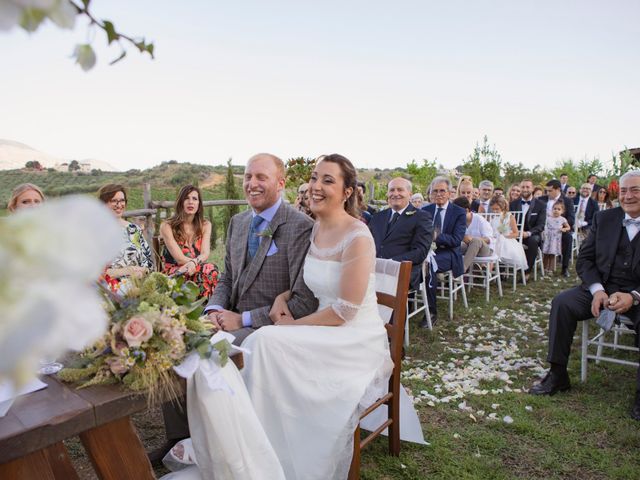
(51, 257)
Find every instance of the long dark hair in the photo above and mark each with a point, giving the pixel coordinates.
(177, 220)
(349, 176)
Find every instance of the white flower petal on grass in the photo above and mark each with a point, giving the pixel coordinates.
(456, 435)
(507, 419)
(528, 408)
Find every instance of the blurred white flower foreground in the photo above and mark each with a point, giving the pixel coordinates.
(51, 257)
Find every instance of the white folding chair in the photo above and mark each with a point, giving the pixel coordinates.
(625, 328)
(419, 303)
(448, 288)
(489, 272)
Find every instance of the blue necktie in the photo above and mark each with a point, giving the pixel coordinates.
(394, 219)
(437, 222)
(631, 221)
(254, 239)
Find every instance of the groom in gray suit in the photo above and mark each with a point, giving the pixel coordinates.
(265, 252)
(266, 247)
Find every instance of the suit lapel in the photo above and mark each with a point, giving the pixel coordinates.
(239, 250)
(256, 263)
(613, 231)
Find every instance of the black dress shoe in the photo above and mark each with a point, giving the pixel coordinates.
(156, 456)
(551, 384)
(425, 324)
(565, 273)
(635, 411)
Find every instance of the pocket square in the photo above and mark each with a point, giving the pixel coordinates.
(273, 249)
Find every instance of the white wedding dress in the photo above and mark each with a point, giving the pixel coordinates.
(305, 385)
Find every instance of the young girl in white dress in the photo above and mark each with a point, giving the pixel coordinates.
(554, 227)
(507, 246)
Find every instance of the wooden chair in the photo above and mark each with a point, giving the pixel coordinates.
(395, 330)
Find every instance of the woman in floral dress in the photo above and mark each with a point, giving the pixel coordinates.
(187, 237)
(134, 259)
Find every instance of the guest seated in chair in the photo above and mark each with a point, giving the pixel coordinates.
(187, 236)
(449, 227)
(25, 195)
(402, 232)
(586, 208)
(134, 259)
(478, 238)
(535, 216)
(610, 272)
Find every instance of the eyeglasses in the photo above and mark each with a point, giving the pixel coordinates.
(302, 191)
(117, 201)
(439, 191)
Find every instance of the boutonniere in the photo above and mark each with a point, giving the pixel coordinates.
(412, 212)
(267, 232)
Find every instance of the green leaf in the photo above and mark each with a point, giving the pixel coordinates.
(86, 3)
(150, 49)
(112, 35)
(32, 18)
(223, 347)
(141, 46)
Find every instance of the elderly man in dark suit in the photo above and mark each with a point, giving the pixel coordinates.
(265, 251)
(609, 267)
(554, 194)
(535, 216)
(449, 225)
(403, 232)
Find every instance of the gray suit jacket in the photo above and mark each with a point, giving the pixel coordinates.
(254, 286)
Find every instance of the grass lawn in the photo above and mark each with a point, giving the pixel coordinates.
(468, 375)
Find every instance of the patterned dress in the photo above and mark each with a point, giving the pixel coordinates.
(206, 274)
(135, 252)
(552, 236)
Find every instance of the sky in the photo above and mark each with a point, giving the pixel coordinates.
(382, 83)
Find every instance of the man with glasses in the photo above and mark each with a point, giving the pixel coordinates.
(609, 267)
(449, 227)
(486, 193)
(302, 199)
(571, 193)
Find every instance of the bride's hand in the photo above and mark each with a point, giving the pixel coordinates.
(285, 320)
(280, 307)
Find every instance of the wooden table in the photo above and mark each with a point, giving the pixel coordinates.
(31, 433)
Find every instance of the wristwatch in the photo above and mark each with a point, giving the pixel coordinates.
(636, 297)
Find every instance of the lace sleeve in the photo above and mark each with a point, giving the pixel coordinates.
(357, 265)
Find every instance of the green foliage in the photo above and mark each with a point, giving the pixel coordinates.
(74, 166)
(299, 171)
(578, 172)
(484, 163)
(422, 175)
(33, 165)
(231, 192)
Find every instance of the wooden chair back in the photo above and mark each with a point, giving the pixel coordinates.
(397, 302)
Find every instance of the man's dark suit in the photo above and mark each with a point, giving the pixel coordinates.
(567, 237)
(448, 253)
(563, 188)
(408, 239)
(534, 222)
(590, 210)
(606, 257)
(475, 205)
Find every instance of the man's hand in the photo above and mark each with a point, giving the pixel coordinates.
(526, 234)
(229, 321)
(280, 307)
(600, 300)
(467, 239)
(212, 315)
(620, 302)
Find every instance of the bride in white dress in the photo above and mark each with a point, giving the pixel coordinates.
(307, 379)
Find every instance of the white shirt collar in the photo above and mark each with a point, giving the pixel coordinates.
(400, 212)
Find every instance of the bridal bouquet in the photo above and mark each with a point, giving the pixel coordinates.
(153, 325)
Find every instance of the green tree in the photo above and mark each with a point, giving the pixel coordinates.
(231, 193)
(74, 166)
(421, 175)
(484, 163)
(299, 171)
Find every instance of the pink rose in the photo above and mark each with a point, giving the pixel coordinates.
(117, 366)
(136, 331)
